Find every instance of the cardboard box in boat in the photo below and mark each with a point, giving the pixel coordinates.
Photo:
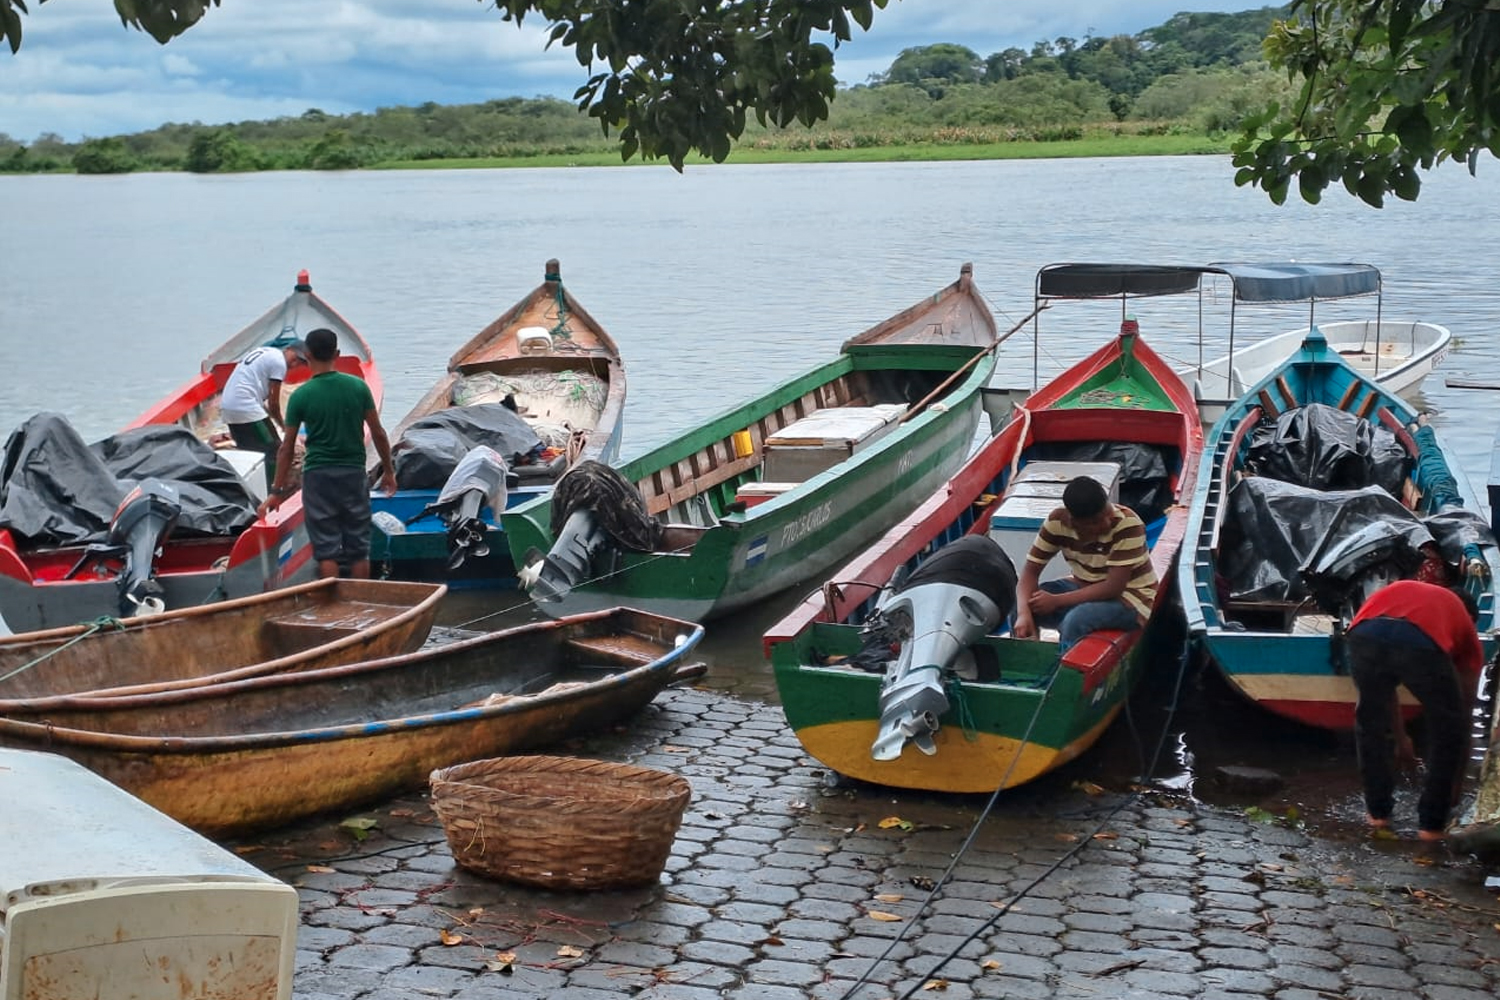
(1035, 493)
(822, 439)
(103, 896)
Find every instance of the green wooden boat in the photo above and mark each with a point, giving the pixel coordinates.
(775, 491)
(902, 673)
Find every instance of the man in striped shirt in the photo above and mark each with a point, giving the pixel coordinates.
(1112, 585)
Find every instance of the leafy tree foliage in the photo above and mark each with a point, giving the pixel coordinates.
(104, 156)
(1388, 88)
(935, 66)
(219, 151)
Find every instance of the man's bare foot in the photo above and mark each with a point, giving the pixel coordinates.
(1379, 824)
(1432, 836)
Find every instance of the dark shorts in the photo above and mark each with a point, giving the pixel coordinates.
(336, 509)
(258, 436)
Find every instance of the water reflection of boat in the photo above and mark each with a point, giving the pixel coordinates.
(902, 671)
(1316, 487)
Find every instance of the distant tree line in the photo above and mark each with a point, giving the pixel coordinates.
(1196, 73)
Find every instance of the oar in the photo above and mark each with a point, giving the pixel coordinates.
(1469, 383)
(942, 386)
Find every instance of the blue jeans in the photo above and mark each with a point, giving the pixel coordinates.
(1081, 619)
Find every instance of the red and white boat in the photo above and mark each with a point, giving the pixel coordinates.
(47, 586)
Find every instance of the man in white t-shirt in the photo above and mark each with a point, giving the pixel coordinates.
(251, 401)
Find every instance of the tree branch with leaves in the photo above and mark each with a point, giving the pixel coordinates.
(1388, 88)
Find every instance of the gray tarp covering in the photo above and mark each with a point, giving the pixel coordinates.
(56, 490)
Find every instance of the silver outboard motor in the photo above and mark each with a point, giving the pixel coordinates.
(481, 479)
(142, 522)
(961, 593)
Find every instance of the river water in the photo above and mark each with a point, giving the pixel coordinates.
(717, 283)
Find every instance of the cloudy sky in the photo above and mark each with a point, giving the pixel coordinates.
(80, 73)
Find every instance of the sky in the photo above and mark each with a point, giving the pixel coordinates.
(81, 74)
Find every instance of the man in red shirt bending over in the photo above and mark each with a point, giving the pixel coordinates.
(1420, 635)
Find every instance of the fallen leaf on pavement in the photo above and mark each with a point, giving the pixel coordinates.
(897, 821)
(568, 951)
(882, 915)
(450, 938)
(890, 897)
(320, 869)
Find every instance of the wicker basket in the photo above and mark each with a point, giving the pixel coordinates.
(560, 822)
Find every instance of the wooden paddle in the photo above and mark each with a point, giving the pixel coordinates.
(942, 386)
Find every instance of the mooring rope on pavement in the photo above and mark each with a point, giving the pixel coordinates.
(1148, 769)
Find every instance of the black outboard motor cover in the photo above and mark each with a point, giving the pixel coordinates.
(144, 520)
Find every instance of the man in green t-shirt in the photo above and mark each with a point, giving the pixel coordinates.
(336, 409)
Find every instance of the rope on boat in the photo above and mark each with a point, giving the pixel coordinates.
(1149, 768)
(652, 557)
(90, 628)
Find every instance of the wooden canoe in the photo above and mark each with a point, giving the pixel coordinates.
(566, 377)
(1280, 652)
(778, 490)
(306, 627)
(1044, 706)
(272, 552)
(265, 751)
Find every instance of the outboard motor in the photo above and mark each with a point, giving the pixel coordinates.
(480, 480)
(596, 514)
(961, 593)
(571, 560)
(1348, 567)
(140, 525)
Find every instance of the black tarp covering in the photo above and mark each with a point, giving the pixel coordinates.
(1327, 448)
(974, 561)
(56, 490)
(1271, 529)
(431, 448)
(1145, 479)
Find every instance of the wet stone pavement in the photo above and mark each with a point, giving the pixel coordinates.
(784, 885)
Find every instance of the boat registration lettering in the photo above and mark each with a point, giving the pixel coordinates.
(806, 524)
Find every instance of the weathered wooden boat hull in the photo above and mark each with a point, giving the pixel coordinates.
(1288, 670)
(307, 627)
(1045, 709)
(741, 551)
(273, 552)
(269, 750)
(420, 552)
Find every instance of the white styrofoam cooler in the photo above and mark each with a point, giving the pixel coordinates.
(824, 438)
(101, 895)
(1035, 493)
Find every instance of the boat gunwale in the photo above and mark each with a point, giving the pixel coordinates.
(47, 734)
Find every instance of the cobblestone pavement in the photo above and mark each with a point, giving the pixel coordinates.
(781, 885)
